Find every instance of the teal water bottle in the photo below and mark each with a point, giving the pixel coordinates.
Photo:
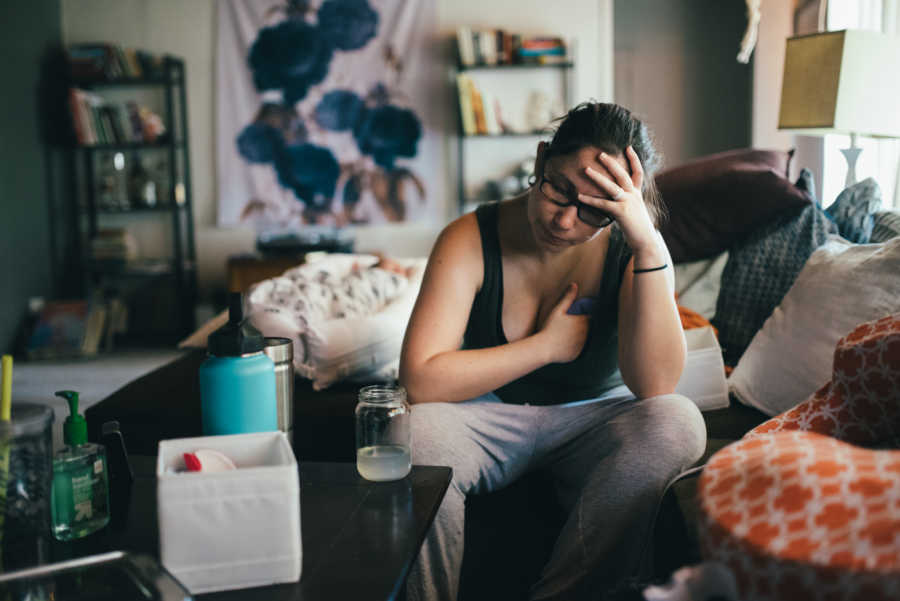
(237, 380)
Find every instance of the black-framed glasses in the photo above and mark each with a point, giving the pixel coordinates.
(590, 215)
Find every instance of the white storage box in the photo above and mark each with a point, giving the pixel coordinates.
(232, 529)
(703, 378)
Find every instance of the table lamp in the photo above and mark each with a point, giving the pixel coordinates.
(842, 82)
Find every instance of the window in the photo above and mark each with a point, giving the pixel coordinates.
(879, 158)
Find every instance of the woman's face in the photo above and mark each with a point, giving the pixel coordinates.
(556, 228)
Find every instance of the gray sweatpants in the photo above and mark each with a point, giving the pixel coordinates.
(610, 459)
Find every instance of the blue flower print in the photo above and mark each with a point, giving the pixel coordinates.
(348, 24)
(260, 143)
(388, 132)
(339, 110)
(310, 171)
(292, 56)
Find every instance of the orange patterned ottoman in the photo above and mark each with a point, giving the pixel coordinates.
(797, 513)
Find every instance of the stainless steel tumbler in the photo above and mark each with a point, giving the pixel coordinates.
(281, 352)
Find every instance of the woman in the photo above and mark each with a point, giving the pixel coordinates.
(509, 373)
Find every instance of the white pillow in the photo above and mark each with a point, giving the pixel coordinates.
(697, 284)
(841, 286)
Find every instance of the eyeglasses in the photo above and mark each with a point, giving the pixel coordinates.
(590, 215)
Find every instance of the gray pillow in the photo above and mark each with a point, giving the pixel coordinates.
(886, 226)
(853, 210)
(759, 273)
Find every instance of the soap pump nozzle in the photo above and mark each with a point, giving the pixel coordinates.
(75, 426)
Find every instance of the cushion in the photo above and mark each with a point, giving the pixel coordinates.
(718, 199)
(853, 210)
(697, 284)
(759, 273)
(799, 515)
(842, 285)
(861, 402)
(886, 226)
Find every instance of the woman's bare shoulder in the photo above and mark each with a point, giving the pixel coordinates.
(458, 246)
(460, 238)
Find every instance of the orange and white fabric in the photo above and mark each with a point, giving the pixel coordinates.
(797, 513)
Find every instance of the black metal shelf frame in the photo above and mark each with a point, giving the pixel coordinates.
(566, 69)
(183, 264)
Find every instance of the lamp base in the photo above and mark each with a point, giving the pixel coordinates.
(851, 154)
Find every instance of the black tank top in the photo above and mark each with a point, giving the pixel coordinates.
(595, 370)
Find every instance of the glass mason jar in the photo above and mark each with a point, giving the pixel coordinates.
(382, 433)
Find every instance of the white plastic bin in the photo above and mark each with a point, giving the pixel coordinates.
(232, 529)
(703, 378)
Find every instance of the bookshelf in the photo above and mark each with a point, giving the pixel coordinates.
(129, 148)
(496, 73)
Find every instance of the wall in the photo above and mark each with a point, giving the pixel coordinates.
(27, 30)
(775, 27)
(187, 29)
(675, 67)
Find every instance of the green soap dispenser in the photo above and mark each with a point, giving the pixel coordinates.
(79, 503)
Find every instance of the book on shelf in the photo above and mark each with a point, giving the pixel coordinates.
(103, 62)
(489, 47)
(464, 86)
(479, 109)
(97, 121)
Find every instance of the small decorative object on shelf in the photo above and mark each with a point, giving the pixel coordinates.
(142, 188)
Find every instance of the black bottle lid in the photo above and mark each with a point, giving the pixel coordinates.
(237, 337)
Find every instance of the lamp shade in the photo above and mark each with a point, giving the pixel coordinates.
(842, 82)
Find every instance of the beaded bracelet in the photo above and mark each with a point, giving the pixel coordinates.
(650, 269)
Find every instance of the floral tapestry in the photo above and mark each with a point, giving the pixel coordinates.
(323, 112)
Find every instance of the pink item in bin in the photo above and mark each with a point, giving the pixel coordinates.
(209, 461)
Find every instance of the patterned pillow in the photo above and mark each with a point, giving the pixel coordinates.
(798, 515)
(887, 226)
(861, 402)
(759, 273)
(853, 210)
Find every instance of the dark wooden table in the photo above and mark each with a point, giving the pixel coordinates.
(359, 537)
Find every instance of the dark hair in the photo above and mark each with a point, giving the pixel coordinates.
(611, 128)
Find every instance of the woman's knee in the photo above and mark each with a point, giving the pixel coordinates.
(678, 427)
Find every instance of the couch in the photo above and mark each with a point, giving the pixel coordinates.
(740, 203)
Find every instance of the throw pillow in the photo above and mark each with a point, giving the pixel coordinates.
(886, 226)
(759, 273)
(859, 404)
(853, 210)
(697, 284)
(718, 199)
(842, 285)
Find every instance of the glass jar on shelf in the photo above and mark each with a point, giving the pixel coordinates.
(383, 433)
(141, 187)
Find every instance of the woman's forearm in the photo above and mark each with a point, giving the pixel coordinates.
(465, 374)
(652, 346)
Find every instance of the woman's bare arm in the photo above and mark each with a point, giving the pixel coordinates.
(651, 340)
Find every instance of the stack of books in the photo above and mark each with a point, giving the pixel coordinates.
(543, 51)
(477, 47)
(97, 121)
(114, 245)
(479, 109)
(91, 62)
